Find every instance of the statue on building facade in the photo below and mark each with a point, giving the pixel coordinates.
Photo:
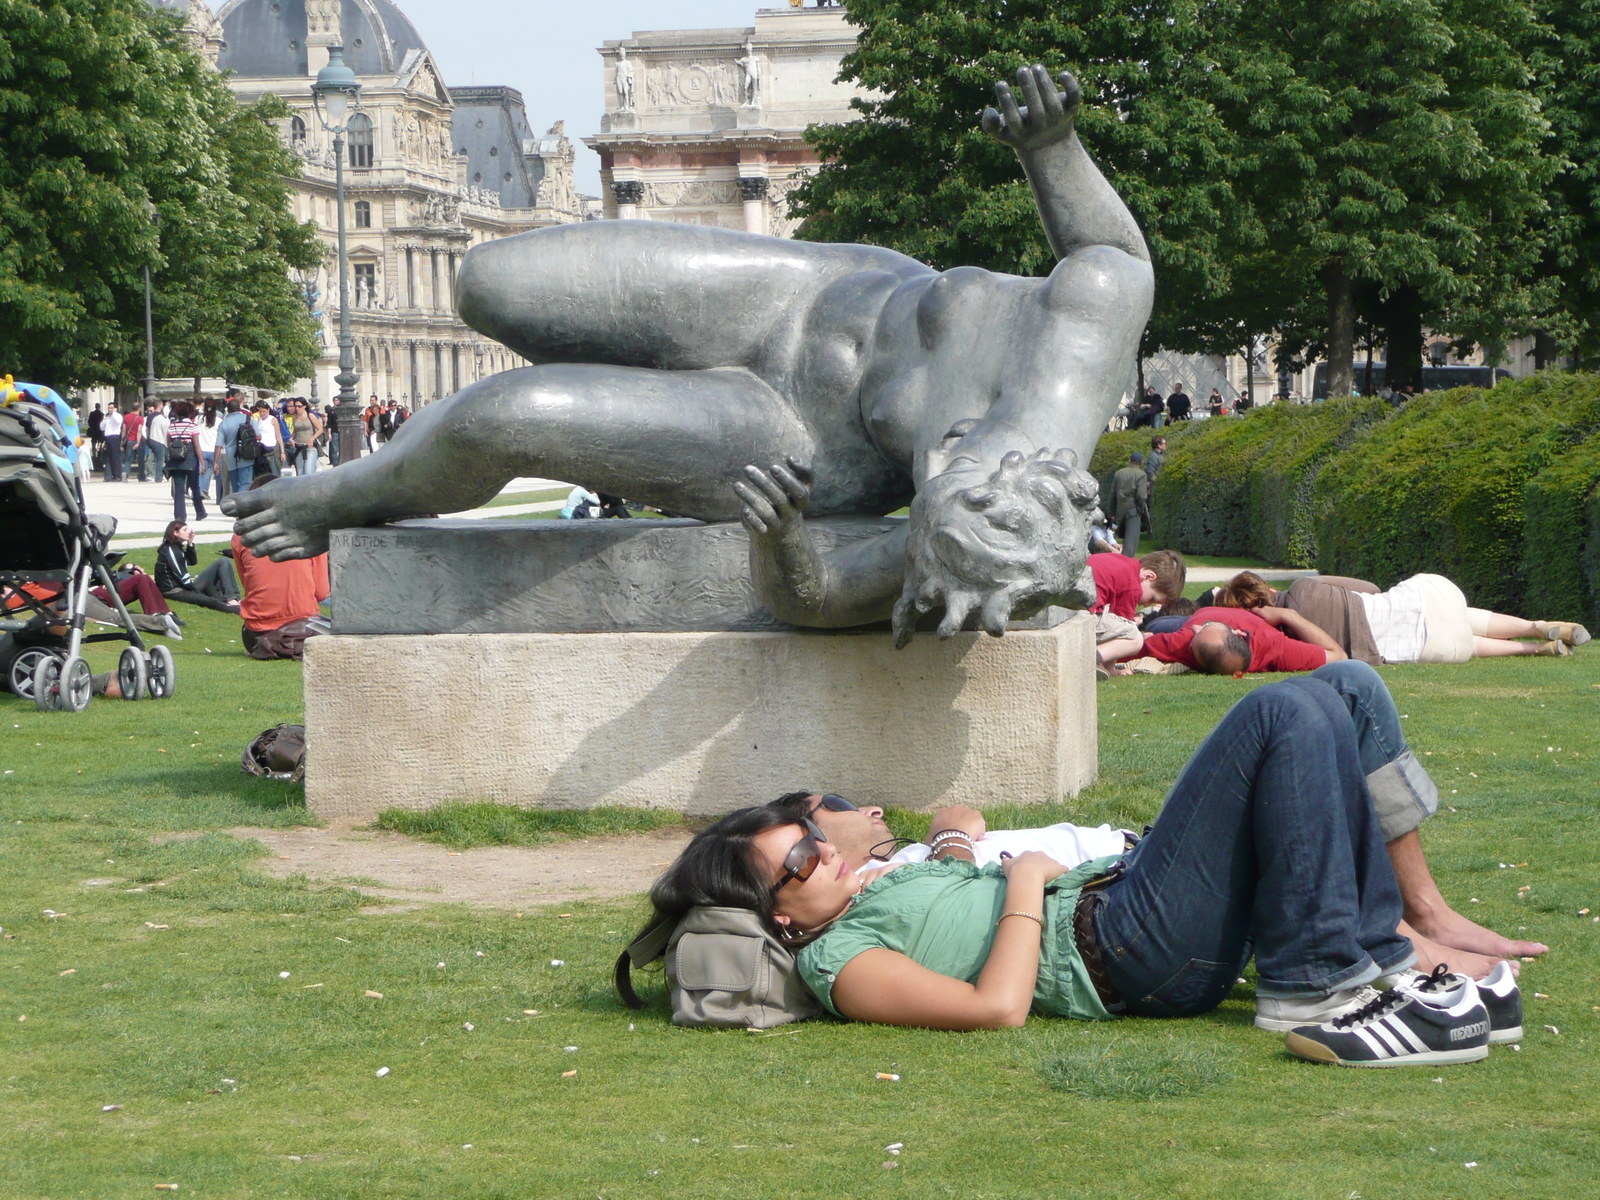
(730, 376)
(750, 72)
(624, 80)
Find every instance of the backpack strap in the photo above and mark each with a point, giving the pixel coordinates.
(646, 948)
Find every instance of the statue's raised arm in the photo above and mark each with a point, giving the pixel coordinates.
(1078, 207)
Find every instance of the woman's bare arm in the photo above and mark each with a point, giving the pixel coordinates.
(889, 988)
(1078, 207)
(1297, 626)
(854, 584)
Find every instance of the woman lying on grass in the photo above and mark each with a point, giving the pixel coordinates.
(1268, 843)
(1425, 618)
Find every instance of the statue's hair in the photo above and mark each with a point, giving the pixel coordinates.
(941, 568)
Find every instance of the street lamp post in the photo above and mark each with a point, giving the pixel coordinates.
(337, 96)
(149, 328)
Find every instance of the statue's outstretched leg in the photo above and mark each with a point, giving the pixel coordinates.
(654, 294)
(670, 438)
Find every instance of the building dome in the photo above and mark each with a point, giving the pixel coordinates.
(266, 39)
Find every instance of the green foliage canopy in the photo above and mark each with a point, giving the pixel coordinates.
(105, 109)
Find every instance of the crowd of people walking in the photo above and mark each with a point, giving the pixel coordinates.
(206, 450)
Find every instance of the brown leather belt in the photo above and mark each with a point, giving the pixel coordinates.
(1089, 950)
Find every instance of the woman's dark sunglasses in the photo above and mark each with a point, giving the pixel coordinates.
(803, 858)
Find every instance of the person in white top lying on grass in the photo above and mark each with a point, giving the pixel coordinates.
(1403, 796)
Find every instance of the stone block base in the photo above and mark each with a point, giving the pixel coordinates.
(699, 722)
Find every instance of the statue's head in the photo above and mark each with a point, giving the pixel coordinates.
(1007, 544)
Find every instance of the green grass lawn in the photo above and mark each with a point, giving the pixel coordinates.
(158, 987)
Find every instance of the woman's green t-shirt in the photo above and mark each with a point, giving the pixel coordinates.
(943, 915)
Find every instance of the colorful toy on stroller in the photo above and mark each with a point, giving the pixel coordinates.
(51, 554)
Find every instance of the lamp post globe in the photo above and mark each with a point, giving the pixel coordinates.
(336, 93)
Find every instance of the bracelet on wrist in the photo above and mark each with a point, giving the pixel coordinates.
(1020, 913)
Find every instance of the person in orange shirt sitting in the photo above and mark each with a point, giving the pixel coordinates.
(280, 599)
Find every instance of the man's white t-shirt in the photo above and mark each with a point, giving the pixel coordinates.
(1070, 845)
(155, 429)
(111, 424)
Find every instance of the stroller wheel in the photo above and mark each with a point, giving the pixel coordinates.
(163, 675)
(76, 687)
(132, 674)
(23, 667)
(47, 684)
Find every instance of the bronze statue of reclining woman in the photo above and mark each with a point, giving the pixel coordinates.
(726, 375)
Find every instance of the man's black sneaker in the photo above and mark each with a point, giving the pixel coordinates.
(1498, 991)
(1430, 1021)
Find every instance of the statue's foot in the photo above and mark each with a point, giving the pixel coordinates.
(290, 517)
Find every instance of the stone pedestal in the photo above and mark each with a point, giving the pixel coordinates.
(576, 663)
(699, 722)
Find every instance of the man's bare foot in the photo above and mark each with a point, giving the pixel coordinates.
(1462, 962)
(1449, 928)
(290, 517)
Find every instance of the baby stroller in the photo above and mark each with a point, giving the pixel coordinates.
(51, 554)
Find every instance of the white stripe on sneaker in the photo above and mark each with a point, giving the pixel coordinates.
(1379, 1050)
(1394, 1022)
(1380, 1030)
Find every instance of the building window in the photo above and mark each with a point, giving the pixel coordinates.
(297, 133)
(360, 136)
(363, 215)
(366, 284)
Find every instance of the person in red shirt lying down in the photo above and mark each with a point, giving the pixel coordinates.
(1230, 641)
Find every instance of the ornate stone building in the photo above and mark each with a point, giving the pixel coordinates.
(705, 126)
(430, 171)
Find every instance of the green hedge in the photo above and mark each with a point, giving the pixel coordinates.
(1440, 486)
(1244, 486)
(1499, 490)
(1561, 526)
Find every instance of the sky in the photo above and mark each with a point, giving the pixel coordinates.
(546, 50)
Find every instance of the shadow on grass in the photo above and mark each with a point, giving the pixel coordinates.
(214, 781)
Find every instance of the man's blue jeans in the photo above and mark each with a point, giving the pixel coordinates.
(1403, 794)
(239, 477)
(1267, 837)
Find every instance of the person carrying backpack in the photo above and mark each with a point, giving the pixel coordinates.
(236, 438)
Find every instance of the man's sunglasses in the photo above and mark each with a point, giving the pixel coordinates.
(803, 858)
(835, 804)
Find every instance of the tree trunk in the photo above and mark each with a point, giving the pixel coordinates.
(1366, 384)
(1250, 370)
(1341, 331)
(1403, 332)
(1544, 350)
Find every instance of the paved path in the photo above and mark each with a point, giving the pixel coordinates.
(1223, 574)
(145, 508)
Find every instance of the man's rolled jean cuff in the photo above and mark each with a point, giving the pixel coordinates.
(1403, 795)
(1362, 973)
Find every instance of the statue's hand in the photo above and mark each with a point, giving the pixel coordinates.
(1045, 116)
(775, 498)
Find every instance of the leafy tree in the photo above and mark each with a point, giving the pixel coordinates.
(1569, 75)
(104, 110)
(1393, 150)
(916, 173)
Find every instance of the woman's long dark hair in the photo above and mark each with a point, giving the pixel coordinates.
(720, 867)
(172, 527)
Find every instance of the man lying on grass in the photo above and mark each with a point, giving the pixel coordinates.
(1267, 844)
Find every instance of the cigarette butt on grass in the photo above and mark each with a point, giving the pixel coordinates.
(890, 1078)
(374, 995)
(70, 971)
(568, 1074)
(166, 1187)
